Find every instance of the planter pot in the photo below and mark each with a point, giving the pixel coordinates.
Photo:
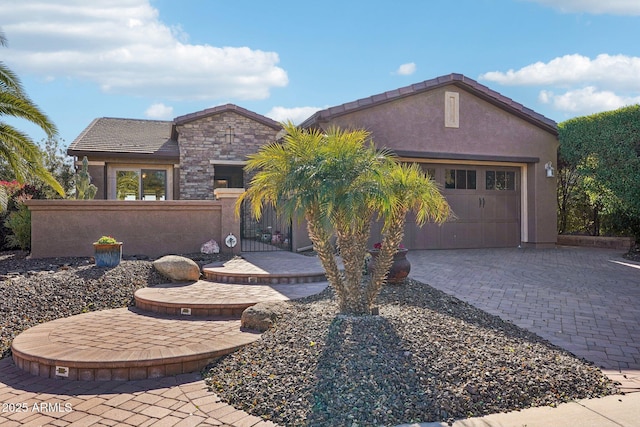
(107, 255)
(400, 267)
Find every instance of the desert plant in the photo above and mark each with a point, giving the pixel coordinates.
(106, 240)
(85, 190)
(339, 183)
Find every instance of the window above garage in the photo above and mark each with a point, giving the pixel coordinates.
(500, 180)
(460, 179)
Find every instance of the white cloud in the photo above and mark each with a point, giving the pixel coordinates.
(296, 115)
(406, 69)
(586, 100)
(123, 47)
(613, 71)
(579, 84)
(597, 7)
(159, 111)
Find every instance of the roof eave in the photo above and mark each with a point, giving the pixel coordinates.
(463, 82)
(225, 108)
(124, 155)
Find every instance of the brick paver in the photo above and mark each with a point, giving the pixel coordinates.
(111, 402)
(584, 300)
(124, 344)
(205, 292)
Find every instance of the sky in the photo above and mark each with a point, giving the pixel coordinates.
(160, 59)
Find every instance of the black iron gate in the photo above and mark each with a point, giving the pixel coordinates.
(270, 233)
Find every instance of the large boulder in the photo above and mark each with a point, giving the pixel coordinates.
(263, 315)
(177, 268)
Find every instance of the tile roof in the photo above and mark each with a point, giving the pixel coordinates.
(126, 138)
(227, 107)
(459, 80)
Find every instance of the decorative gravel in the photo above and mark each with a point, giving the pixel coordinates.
(427, 357)
(34, 291)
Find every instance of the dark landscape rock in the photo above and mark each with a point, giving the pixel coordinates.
(263, 316)
(426, 357)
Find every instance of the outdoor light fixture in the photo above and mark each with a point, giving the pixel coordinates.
(550, 170)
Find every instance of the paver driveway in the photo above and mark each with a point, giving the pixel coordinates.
(584, 300)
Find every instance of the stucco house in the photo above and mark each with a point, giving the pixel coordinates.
(486, 151)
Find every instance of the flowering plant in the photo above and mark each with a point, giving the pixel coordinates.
(11, 186)
(106, 240)
(378, 246)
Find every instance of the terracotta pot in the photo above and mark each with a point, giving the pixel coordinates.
(107, 255)
(399, 269)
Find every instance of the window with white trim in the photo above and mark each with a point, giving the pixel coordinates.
(140, 184)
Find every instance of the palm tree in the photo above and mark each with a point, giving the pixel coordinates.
(23, 155)
(406, 189)
(338, 181)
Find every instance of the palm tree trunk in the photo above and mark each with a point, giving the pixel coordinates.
(352, 242)
(390, 243)
(321, 240)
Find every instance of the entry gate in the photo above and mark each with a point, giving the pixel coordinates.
(270, 233)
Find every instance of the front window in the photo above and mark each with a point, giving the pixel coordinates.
(127, 185)
(143, 184)
(154, 184)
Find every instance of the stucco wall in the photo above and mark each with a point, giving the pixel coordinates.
(69, 227)
(206, 138)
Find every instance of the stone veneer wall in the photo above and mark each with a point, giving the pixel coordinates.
(206, 139)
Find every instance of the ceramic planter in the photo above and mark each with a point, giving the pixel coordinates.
(107, 255)
(399, 269)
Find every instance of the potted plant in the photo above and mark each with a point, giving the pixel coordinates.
(399, 269)
(107, 252)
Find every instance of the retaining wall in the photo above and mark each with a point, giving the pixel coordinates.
(622, 243)
(63, 228)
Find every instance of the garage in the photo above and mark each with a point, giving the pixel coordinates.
(486, 201)
(489, 154)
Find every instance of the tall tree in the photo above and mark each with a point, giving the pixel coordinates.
(21, 153)
(604, 151)
(339, 183)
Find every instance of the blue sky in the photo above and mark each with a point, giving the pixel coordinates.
(159, 59)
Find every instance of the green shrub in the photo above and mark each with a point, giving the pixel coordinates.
(19, 222)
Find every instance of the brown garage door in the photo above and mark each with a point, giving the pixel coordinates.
(486, 201)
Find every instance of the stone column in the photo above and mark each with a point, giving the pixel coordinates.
(229, 221)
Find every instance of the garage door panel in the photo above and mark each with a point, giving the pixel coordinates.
(500, 207)
(501, 234)
(460, 235)
(425, 237)
(466, 206)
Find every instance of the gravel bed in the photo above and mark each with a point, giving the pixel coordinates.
(34, 291)
(427, 357)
